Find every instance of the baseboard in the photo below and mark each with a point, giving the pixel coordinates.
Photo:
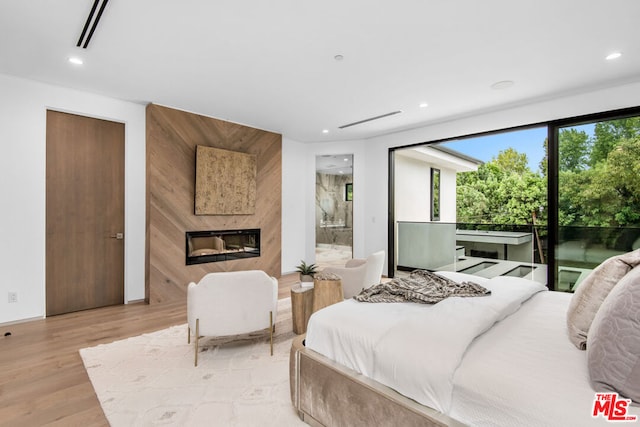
(15, 322)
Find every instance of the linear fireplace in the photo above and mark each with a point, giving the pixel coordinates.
(221, 245)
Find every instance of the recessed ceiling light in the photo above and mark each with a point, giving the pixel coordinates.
(424, 105)
(75, 60)
(504, 84)
(613, 55)
(346, 160)
(338, 57)
(325, 130)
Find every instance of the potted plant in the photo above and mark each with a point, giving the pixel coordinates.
(306, 271)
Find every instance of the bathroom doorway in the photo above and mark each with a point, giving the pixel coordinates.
(334, 209)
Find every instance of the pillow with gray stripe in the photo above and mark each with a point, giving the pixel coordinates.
(613, 344)
(591, 293)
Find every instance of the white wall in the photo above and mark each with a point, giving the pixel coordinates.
(23, 106)
(295, 203)
(412, 190)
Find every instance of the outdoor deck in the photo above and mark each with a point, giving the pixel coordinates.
(490, 267)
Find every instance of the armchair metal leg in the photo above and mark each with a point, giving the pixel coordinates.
(271, 330)
(188, 334)
(195, 341)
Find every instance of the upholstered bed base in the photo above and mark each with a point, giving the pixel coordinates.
(326, 393)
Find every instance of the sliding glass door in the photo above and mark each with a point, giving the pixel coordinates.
(553, 200)
(475, 205)
(598, 197)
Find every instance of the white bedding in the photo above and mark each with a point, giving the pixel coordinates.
(372, 338)
(348, 332)
(523, 371)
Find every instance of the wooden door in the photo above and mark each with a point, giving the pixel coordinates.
(84, 213)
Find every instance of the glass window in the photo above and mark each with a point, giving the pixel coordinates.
(556, 206)
(488, 205)
(435, 194)
(598, 196)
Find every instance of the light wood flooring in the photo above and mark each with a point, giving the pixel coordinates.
(42, 379)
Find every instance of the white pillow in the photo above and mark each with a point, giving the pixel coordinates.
(613, 345)
(591, 293)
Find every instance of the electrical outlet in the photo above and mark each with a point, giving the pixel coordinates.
(13, 297)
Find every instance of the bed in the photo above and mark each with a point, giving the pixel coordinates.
(445, 364)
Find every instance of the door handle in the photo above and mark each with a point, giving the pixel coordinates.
(118, 236)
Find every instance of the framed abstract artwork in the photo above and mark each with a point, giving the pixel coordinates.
(225, 182)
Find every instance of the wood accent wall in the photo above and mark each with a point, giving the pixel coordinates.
(172, 137)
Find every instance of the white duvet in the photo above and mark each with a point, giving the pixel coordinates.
(415, 348)
(526, 372)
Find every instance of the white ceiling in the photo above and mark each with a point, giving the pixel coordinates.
(270, 64)
(335, 164)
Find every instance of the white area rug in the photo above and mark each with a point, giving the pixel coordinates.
(150, 379)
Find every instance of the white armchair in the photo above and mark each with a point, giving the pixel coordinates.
(359, 274)
(231, 303)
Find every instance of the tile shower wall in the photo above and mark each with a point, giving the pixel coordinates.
(334, 214)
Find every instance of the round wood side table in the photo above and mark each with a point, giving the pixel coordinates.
(327, 290)
(301, 307)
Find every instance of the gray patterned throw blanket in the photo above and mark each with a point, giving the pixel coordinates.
(421, 286)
